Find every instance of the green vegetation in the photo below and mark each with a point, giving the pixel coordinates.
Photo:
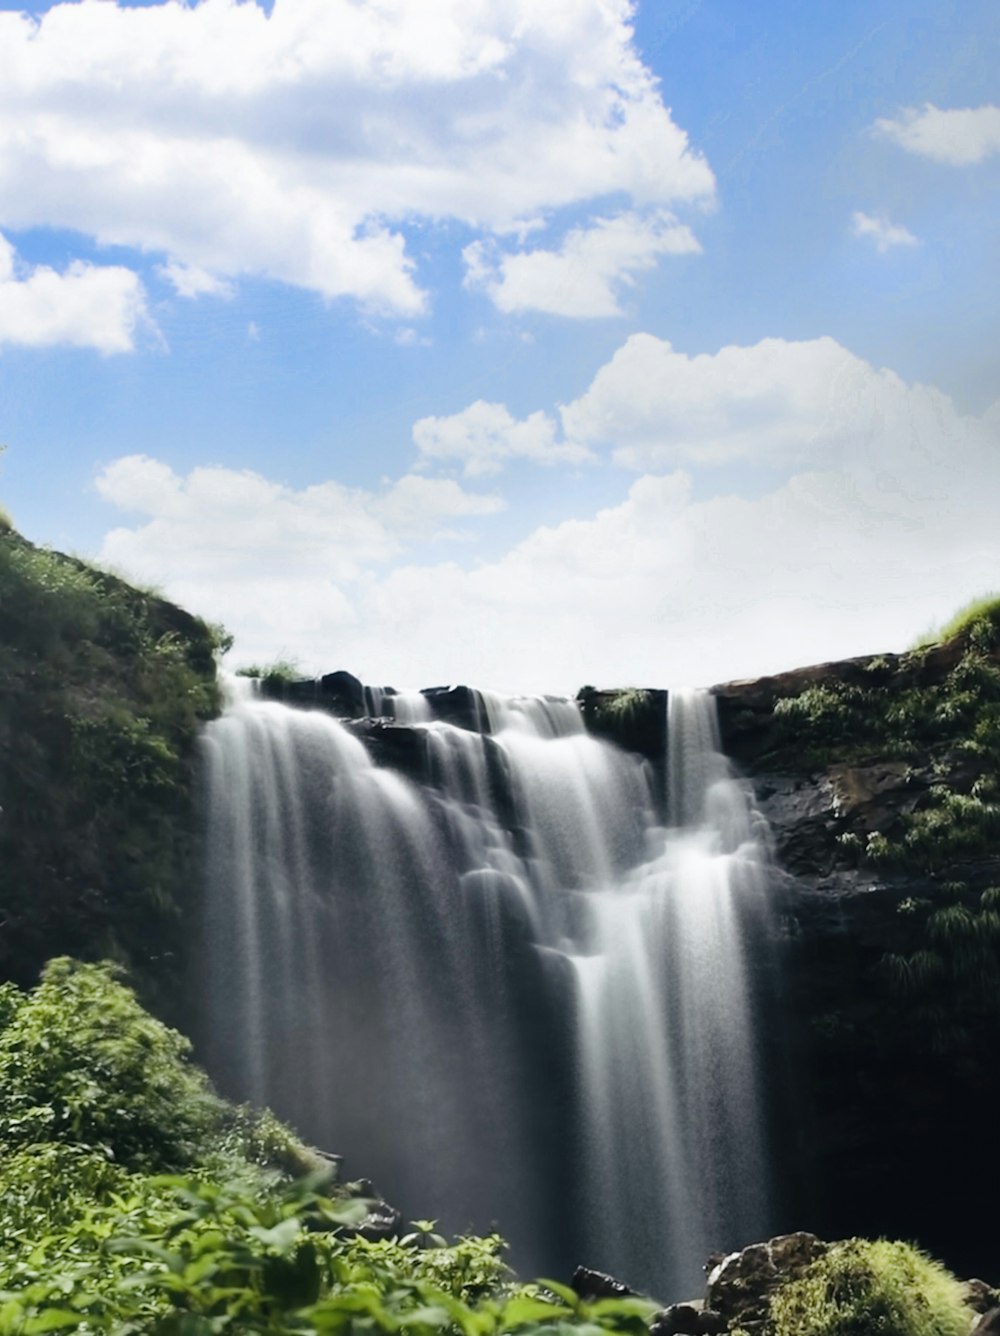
(99, 1110)
(946, 980)
(947, 729)
(861, 1288)
(102, 691)
(272, 674)
(987, 606)
(623, 706)
(81, 1062)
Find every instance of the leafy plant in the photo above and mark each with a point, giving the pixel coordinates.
(96, 1097)
(81, 1062)
(948, 983)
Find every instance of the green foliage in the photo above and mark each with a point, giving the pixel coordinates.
(895, 716)
(272, 674)
(948, 983)
(623, 706)
(96, 1096)
(103, 689)
(970, 617)
(81, 1062)
(950, 828)
(860, 1288)
(943, 729)
(170, 1256)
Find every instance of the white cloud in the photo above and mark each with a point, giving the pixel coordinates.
(484, 437)
(85, 306)
(774, 403)
(191, 282)
(298, 145)
(274, 557)
(584, 276)
(882, 233)
(882, 523)
(959, 136)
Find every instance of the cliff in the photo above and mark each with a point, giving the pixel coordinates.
(880, 778)
(103, 688)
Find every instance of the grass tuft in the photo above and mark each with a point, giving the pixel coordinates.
(861, 1287)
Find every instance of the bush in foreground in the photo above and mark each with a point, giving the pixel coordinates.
(98, 1099)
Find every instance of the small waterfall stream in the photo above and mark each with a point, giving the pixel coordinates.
(501, 985)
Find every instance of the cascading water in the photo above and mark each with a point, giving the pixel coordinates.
(671, 1104)
(501, 986)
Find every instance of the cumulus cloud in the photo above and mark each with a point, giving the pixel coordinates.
(584, 277)
(85, 306)
(883, 234)
(299, 144)
(484, 437)
(774, 403)
(960, 136)
(880, 519)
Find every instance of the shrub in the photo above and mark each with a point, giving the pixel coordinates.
(81, 1062)
(862, 1288)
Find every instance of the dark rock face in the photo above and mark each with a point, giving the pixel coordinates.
(883, 1074)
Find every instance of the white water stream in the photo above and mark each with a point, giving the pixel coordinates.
(504, 989)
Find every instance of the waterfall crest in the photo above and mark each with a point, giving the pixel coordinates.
(502, 985)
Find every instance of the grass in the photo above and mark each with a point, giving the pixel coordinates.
(986, 606)
(272, 674)
(860, 1288)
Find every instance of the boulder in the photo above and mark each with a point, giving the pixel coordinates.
(591, 1285)
(677, 1320)
(739, 1287)
(981, 1297)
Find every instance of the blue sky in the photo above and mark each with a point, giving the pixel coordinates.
(529, 345)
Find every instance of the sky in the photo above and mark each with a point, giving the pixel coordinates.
(527, 345)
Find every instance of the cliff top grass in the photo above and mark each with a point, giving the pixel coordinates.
(987, 606)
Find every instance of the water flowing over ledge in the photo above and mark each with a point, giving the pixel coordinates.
(518, 989)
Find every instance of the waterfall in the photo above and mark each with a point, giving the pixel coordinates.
(671, 1098)
(499, 984)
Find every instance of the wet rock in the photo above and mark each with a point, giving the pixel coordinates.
(677, 1320)
(591, 1284)
(456, 705)
(981, 1297)
(343, 694)
(711, 1323)
(739, 1288)
(988, 1324)
(382, 1222)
